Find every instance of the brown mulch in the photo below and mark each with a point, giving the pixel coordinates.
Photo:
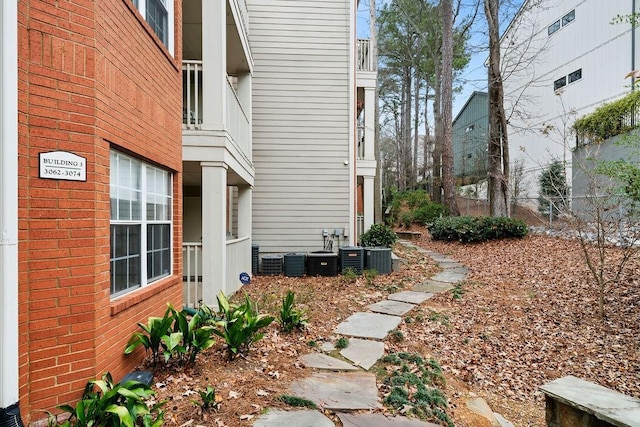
(527, 314)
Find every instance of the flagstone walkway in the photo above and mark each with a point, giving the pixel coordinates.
(346, 388)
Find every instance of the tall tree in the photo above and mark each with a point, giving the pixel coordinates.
(498, 150)
(446, 80)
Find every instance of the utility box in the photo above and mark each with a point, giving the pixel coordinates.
(379, 259)
(272, 265)
(322, 263)
(352, 257)
(294, 265)
(255, 258)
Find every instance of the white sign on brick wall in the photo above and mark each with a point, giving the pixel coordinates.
(63, 165)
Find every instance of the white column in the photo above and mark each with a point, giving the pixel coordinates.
(367, 201)
(9, 388)
(369, 123)
(214, 64)
(245, 194)
(214, 230)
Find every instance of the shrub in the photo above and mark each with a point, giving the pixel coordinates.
(406, 219)
(469, 229)
(379, 235)
(152, 336)
(428, 213)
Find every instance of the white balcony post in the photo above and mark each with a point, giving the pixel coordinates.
(9, 361)
(214, 230)
(214, 64)
(245, 193)
(369, 123)
(368, 198)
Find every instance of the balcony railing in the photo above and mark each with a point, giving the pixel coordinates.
(361, 141)
(238, 261)
(191, 94)
(192, 274)
(365, 56)
(237, 122)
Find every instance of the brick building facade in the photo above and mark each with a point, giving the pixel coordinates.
(102, 80)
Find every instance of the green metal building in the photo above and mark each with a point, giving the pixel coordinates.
(470, 139)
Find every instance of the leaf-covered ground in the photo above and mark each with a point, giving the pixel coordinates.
(526, 315)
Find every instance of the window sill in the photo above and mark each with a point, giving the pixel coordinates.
(136, 297)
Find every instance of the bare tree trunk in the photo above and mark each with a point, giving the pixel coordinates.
(416, 121)
(450, 200)
(436, 193)
(427, 137)
(498, 150)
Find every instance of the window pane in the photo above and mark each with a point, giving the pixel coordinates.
(559, 83)
(554, 27)
(158, 250)
(157, 19)
(576, 75)
(568, 17)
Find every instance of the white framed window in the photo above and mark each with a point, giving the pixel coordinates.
(569, 17)
(575, 76)
(561, 82)
(159, 14)
(553, 27)
(141, 223)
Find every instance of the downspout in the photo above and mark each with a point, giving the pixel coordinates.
(9, 385)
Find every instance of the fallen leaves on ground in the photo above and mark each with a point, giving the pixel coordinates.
(527, 315)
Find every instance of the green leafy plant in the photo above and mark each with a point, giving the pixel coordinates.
(290, 317)
(470, 229)
(379, 235)
(406, 219)
(152, 336)
(428, 213)
(195, 336)
(413, 385)
(240, 325)
(104, 403)
(397, 335)
(554, 190)
(207, 399)
(349, 275)
(342, 343)
(297, 401)
(608, 120)
(369, 275)
(457, 291)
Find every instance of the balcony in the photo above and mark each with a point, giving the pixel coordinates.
(237, 123)
(365, 58)
(238, 260)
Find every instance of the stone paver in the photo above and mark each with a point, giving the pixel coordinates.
(411, 297)
(433, 287)
(279, 418)
(447, 276)
(363, 353)
(395, 308)
(379, 420)
(322, 361)
(480, 407)
(449, 265)
(338, 391)
(611, 406)
(503, 422)
(368, 325)
(327, 346)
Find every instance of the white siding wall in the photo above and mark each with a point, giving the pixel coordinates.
(302, 96)
(591, 43)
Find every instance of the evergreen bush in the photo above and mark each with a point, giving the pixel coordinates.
(379, 235)
(468, 229)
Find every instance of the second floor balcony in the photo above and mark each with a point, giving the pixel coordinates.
(365, 57)
(237, 123)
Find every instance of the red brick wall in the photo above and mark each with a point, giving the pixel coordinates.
(92, 75)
